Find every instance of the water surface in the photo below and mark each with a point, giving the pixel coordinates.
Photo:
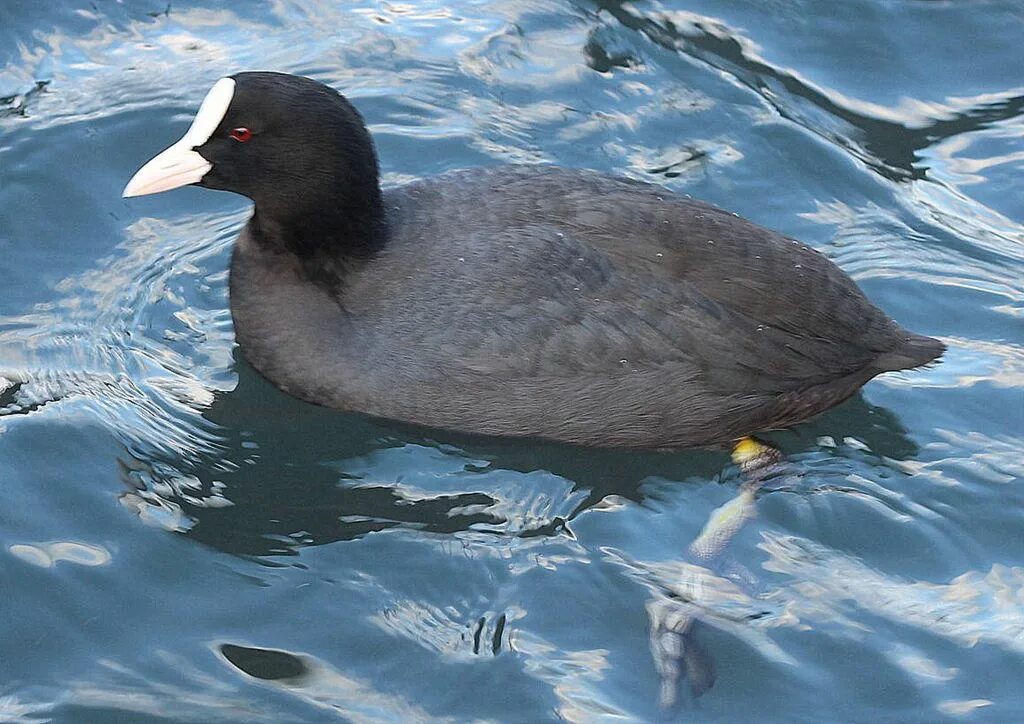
(181, 542)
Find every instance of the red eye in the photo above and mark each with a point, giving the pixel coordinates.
(241, 134)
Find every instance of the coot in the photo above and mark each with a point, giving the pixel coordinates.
(527, 301)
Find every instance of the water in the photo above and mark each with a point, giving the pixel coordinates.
(181, 542)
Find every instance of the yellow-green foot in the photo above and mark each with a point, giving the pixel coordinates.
(750, 454)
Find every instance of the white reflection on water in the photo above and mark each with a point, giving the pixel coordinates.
(829, 586)
(575, 677)
(46, 555)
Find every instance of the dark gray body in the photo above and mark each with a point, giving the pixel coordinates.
(572, 306)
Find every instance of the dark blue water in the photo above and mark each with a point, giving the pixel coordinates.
(181, 542)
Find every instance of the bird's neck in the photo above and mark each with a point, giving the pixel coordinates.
(328, 239)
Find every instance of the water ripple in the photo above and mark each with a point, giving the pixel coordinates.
(363, 554)
(132, 340)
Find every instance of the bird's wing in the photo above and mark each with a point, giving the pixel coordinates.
(540, 300)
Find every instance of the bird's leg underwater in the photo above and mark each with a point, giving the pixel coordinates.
(677, 653)
(755, 459)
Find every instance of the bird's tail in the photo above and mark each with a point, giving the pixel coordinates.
(913, 350)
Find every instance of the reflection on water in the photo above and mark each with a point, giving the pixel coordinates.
(324, 564)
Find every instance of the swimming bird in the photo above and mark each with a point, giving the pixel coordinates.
(521, 301)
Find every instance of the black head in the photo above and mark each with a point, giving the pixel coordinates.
(295, 146)
(286, 142)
